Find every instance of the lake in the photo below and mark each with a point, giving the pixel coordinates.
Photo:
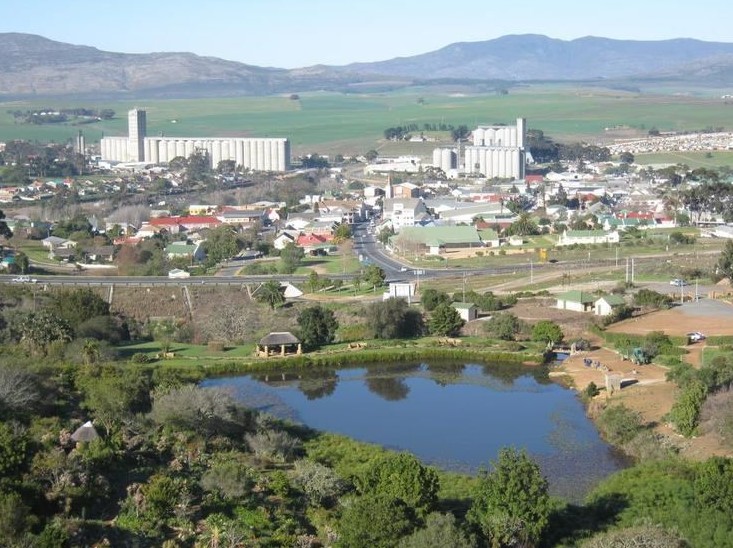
(453, 416)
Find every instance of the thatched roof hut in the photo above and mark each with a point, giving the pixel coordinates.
(283, 339)
(86, 432)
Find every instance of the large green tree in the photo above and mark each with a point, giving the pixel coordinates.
(547, 331)
(511, 506)
(318, 326)
(394, 319)
(404, 477)
(725, 261)
(4, 230)
(221, 244)
(291, 257)
(445, 320)
(430, 298)
(374, 276)
(76, 306)
(375, 520)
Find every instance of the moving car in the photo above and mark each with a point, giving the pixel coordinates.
(695, 336)
(677, 282)
(22, 279)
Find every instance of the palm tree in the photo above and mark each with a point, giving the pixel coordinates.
(271, 294)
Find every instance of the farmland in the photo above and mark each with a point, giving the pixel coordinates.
(353, 123)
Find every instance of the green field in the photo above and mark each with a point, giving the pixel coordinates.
(693, 160)
(353, 123)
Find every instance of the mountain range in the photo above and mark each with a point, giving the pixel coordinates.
(32, 65)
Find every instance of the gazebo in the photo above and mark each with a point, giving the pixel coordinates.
(287, 342)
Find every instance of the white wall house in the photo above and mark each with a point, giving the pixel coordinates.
(570, 237)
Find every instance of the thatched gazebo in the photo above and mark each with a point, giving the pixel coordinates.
(287, 342)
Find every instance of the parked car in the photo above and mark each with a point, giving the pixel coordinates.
(677, 282)
(695, 336)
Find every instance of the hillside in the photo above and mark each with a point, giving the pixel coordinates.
(36, 66)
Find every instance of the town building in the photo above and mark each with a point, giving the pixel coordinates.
(257, 154)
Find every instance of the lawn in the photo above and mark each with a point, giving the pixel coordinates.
(186, 353)
(329, 122)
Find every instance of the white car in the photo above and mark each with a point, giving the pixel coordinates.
(677, 282)
(22, 279)
(696, 336)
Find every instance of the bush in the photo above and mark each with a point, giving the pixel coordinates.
(229, 476)
(320, 484)
(140, 357)
(653, 299)
(276, 445)
(686, 410)
(215, 346)
(590, 391)
(619, 424)
(504, 326)
(716, 416)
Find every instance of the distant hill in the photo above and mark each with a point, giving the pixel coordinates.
(534, 57)
(35, 66)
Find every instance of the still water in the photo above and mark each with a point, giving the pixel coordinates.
(454, 416)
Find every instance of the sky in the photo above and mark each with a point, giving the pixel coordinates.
(300, 33)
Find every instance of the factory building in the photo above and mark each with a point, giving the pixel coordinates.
(259, 154)
(497, 151)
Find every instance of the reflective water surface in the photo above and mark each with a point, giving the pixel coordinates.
(454, 416)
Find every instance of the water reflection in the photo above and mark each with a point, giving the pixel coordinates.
(456, 416)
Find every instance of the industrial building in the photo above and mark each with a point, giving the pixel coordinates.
(258, 154)
(497, 151)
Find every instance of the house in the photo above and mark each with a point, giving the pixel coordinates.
(467, 311)
(101, 253)
(400, 290)
(285, 238)
(243, 217)
(570, 237)
(405, 212)
(284, 340)
(435, 239)
(178, 250)
(577, 301)
(54, 242)
(605, 305)
(405, 190)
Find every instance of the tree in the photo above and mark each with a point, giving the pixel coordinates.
(291, 256)
(725, 261)
(39, 329)
(76, 306)
(374, 276)
(445, 320)
(402, 476)
(4, 229)
(626, 158)
(512, 505)
(504, 326)
(547, 331)
(371, 155)
(431, 298)
(440, 531)
(320, 484)
(18, 391)
(342, 233)
(271, 294)
(318, 326)
(525, 225)
(714, 484)
(374, 520)
(22, 262)
(393, 319)
(221, 244)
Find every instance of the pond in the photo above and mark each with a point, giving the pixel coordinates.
(454, 416)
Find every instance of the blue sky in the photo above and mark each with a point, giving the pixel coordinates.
(298, 33)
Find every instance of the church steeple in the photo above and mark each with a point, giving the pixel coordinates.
(388, 191)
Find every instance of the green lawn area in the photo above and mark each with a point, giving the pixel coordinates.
(33, 249)
(185, 353)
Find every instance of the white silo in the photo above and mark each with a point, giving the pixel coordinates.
(478, 137)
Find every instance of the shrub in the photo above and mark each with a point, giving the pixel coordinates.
(140, 357)
(619, 424)
(229, 476)
(686, 410)
(215, 346)
(276, 445)
(590, 391)
(320, 484)
(716, 415)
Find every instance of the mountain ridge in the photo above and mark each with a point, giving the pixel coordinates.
(33, 65)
